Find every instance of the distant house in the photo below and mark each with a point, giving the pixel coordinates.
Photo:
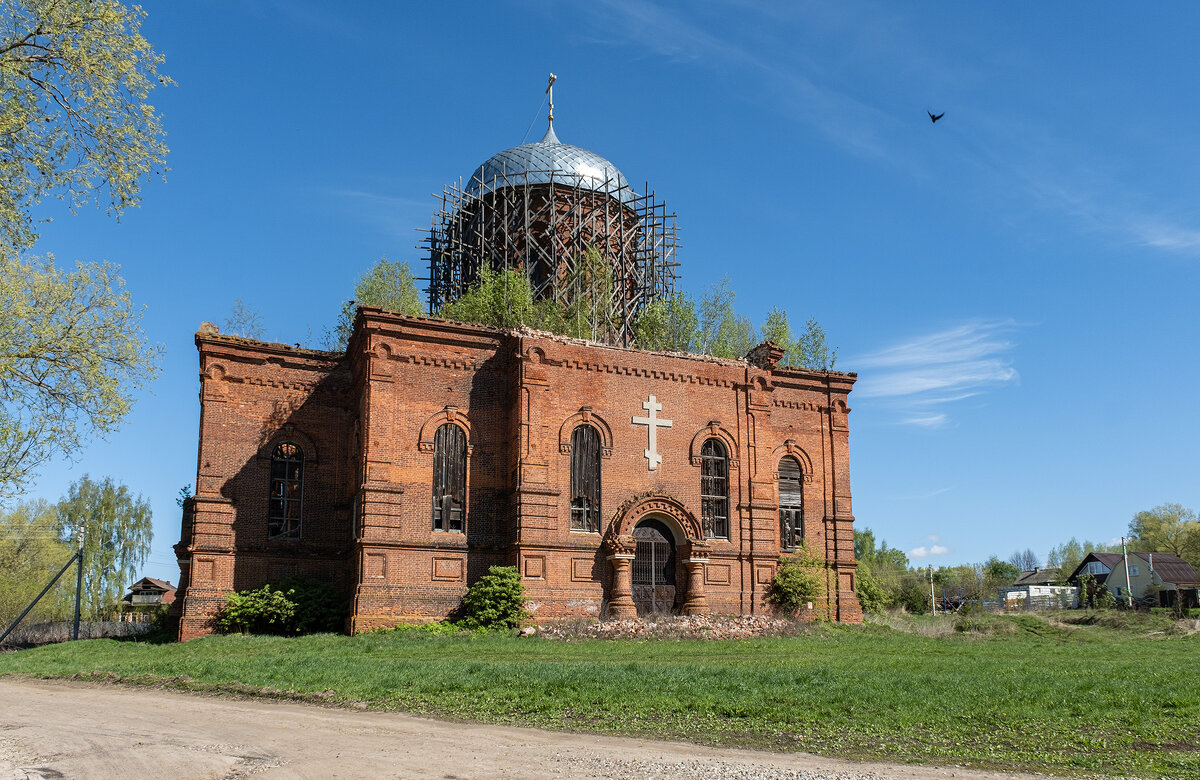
(144, 598)
(1154, 578)
(1038, 589)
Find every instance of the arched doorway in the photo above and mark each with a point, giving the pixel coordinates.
(653, 568)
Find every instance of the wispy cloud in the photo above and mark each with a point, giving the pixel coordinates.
(780, 53)
(834, 113)
(394, 215)
(919, 375)
(925, 552)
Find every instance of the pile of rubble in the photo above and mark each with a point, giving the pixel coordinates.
(673, 627)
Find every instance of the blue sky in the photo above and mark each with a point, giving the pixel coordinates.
(1015, 285)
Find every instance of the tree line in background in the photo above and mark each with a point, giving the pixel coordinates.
(887, 579)
(37, 538)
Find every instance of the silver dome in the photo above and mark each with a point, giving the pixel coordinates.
(550, 160)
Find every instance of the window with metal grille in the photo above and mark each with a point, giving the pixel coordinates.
(714, 490)
(585, 479)
(449, 478)
(287, 486)
(791, 503)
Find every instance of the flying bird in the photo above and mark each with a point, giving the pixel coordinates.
(933, 118)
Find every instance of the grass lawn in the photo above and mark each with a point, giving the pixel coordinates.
(1036, 696)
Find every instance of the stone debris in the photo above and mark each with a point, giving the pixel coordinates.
(675, 627)
(710, 770)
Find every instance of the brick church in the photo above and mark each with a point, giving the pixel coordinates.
(619, 481)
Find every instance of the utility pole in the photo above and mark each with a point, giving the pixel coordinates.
(1128, 586)
(932, 603)
(78, 578)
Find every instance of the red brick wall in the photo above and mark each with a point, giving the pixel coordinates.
(370, 419)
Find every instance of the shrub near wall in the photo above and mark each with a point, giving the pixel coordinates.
(799, 581)
(298, 605)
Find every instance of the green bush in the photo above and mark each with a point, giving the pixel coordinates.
(262, 611)
(320, 607)
(800, 579)
(496, 600)
(298, 605)
(871, 595)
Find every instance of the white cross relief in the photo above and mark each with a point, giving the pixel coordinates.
(653, 458)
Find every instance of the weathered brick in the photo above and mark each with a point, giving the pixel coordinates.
(366, 420)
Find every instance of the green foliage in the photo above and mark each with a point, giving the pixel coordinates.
(320, 607)
(386, 285)
(116, 538)
(799, 580)
(722, 331)
(888, 567)
(1067, 556)
(1169, 528)
(496, 600)
(266, 610)
(588, 291)
(72, 354)
(243, 321)
(31, 552)
(871, 595)
(809, 350)
(998, 573)
(297, 605)
(75, 78)
(504, 299)
(668, 325)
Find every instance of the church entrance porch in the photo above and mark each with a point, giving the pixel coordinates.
(653, 568)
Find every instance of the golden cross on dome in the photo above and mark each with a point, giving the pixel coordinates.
(550, 92)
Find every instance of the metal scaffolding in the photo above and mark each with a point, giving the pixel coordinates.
(544, 222)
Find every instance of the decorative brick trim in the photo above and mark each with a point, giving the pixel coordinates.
(713, 430)
(585, 416)
(790, 447)
(452, 415)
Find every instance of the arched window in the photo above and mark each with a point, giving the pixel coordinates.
(791, 504)
(585, 479)
(449, 478)
(714, 490)
(287, 488)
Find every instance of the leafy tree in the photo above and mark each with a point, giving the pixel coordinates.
(887, 566)
(31, 552)
(388, 285)
(1169, 528)
(244, 321)
(871, 595)
(668, 325)
(116, 538)
(811, 349)
(1026, 560)
(76, 78)
(1067, 556)
(723, 332)
(72, 352)
(504, 299)
(998, 573)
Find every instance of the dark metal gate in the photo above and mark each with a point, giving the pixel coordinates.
(653, 568)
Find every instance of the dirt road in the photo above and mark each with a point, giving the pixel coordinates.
(62, 729)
